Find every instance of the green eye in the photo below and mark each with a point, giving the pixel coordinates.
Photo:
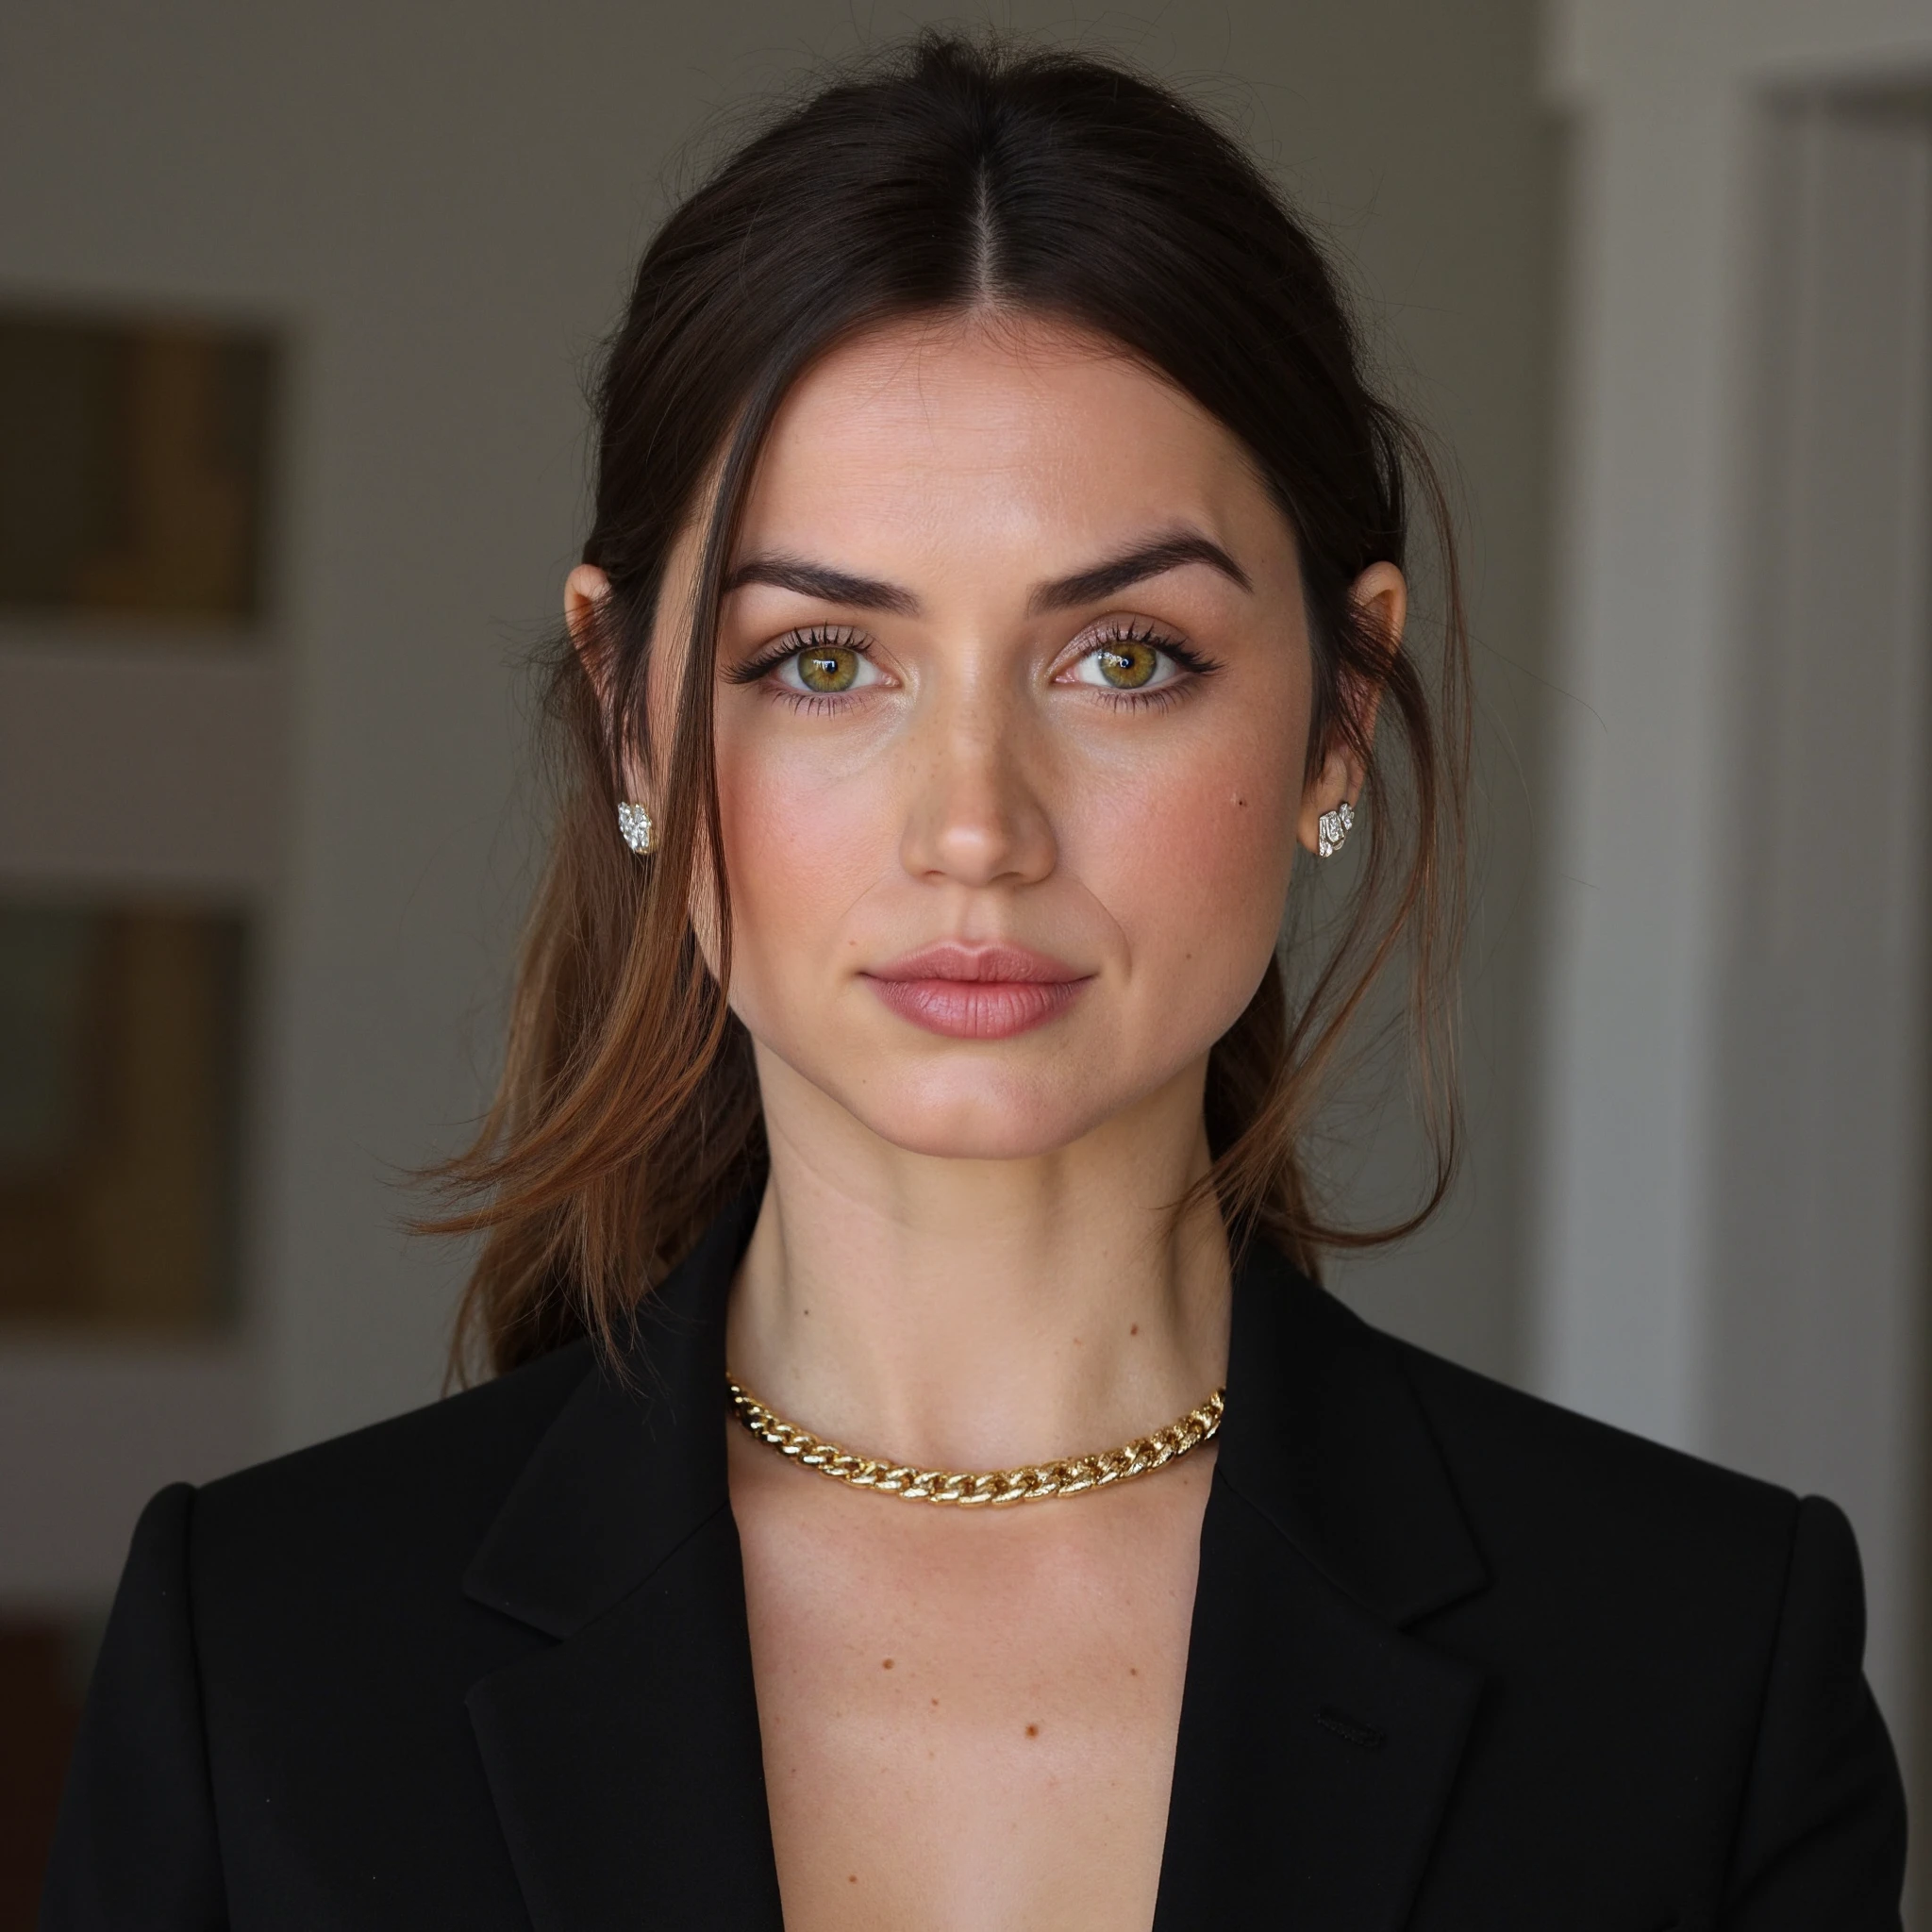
(1128, 664)
(828, 667)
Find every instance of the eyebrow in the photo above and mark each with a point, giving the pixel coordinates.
(1152, 559)
(822, 581)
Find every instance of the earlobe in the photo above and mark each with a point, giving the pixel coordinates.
(636, 828)
(1332, 829)
(1328, 814)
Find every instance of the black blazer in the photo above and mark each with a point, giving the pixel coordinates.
(1460, 1659)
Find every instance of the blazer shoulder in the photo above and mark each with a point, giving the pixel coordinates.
(1590, 1493)
(419, 1486)
(1727, 1614)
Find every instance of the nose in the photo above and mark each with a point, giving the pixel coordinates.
(976, 815)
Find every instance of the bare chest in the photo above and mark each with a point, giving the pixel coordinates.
(968, 1721)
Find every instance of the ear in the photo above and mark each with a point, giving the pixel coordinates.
(1380, 595)
(586, 592)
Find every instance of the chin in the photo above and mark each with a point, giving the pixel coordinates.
(977, 1119)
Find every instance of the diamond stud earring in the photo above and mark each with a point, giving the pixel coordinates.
(638, 829)
(1332, 829)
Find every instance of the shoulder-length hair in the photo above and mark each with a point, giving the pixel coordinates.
(947, 176)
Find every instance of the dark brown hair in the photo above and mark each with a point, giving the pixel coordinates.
(946, 175)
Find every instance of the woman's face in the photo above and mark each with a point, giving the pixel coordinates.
(1014, 705)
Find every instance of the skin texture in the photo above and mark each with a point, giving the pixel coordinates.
(965, 1256)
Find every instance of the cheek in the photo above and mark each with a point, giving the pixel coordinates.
(801, 842)
(1193, 864)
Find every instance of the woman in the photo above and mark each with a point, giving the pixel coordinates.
(990, 634)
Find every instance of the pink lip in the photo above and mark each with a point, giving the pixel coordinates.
(977, 992)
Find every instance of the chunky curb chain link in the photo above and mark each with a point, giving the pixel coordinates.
(983, 1487)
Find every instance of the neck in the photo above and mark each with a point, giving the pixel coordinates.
(977, 1314)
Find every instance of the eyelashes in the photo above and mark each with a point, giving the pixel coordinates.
(1129, 655)
(1121, 646)
(795, 643)
(821, 646)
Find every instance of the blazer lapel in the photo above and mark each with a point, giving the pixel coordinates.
(624, 1758)
(1318, 1740)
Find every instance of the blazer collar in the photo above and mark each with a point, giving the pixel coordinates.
(1326, 1440)
(634, 1463)
(1318, 1740)
(624, 1758)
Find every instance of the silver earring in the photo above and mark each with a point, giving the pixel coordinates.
(1332, 829)
(638, 829)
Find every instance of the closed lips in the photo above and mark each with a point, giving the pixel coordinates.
(977, 992)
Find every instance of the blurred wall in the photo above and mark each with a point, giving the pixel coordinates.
(1735, 1115)
(438, 207)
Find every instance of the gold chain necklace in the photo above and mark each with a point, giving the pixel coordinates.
(971, 1489)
